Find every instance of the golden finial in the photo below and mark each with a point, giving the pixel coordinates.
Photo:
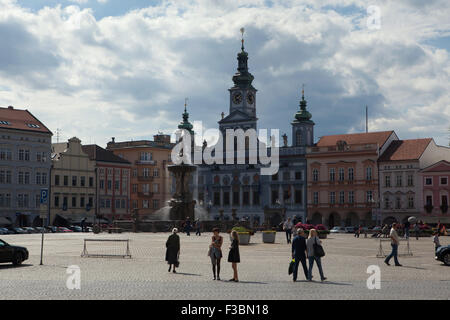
(185, 103)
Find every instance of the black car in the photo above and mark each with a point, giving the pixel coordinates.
(443, 254)
(14, 254)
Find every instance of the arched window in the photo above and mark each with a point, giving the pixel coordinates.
(298, 137)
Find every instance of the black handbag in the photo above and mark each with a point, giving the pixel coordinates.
(318, 250)
(291, 266)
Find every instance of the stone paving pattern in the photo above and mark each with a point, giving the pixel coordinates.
(262, 271)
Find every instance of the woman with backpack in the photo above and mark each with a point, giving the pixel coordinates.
(315, 252)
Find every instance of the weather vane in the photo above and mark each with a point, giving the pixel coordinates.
(242, 32)
(185, 103)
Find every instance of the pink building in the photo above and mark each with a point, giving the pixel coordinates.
(436, 191)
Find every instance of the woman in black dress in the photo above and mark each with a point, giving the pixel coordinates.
(233, 255)
(173, 250)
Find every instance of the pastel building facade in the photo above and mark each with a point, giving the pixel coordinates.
(113, 175)
(25, 147)
(72, 184)
(150, 182)
(436, 192)
(343, 188)
(402, 185)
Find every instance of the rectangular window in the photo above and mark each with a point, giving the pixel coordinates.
(274, 196)
(82, 204)
(410, 181)
(82, 181)
(27, 155)
(255, 197)
(286, 176)
(66, 180)
(369, 173)
(109, 184)
(74, 181)
(155, 172)
(332, 197)
(444, 200)
(56, 202)
(429, 200)
(444, 181)
(56, 180)
(135, 204)
(155, 204)
(428, 181)
(369, 196)
(410, 202)
(74, 202)
(398, 181)
(398, 203)
(145, 172)
(298, 197)
(117, 185)
(315, 197)
(315, 175)
(135, 188)
(155, 188)
(341, 197)
(351, 197)
(386, 202)
(91, 182)
(117, 205)
(217, 198)
(38, 178)
(350, 174)
(101, 184)
(298, 175)
(332, 175)
(245, 198)
(236, 200)
(21, 154)
(20, 178)
(387, 181)
(341, 174)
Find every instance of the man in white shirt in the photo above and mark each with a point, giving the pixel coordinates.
(395, 240)
(287, 226)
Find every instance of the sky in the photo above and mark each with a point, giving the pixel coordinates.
(98, 69)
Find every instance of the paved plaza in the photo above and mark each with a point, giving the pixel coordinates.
(262, 271)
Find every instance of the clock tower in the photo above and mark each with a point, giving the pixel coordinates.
(242, 97)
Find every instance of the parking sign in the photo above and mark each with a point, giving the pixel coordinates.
(44, 195)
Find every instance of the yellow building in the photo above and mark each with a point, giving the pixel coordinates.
(72, 184)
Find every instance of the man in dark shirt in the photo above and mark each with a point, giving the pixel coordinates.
(299, 253)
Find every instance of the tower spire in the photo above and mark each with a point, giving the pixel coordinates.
(185, 124)
(242, 40)
(303, 114)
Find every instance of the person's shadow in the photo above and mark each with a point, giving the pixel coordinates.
(188, 274)
(11, 266)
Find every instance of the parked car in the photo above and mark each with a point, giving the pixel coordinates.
(350, 229)
(39, 230)
(29, 229)
(18, 231)
(63, 229)
(75, 228)
(14, 254)
(52, 229)
(3, 231)
(443, 254)
(337, 230)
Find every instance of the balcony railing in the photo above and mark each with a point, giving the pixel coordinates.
(146, 162)
(145, 178)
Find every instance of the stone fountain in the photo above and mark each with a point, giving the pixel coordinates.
(182, 204)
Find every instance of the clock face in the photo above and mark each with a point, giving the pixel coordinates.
(237, 98)
(250, 98)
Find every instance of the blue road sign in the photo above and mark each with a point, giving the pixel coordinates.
(44, 195)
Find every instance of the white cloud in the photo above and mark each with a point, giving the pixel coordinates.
(127, 76)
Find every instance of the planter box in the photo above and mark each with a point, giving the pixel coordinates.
(268, 237)
(244, 238)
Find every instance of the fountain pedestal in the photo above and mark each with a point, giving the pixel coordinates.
(182, 204)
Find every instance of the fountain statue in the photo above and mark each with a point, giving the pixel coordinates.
(182, 204)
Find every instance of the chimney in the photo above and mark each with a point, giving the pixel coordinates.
(113, 139)
(10, 107)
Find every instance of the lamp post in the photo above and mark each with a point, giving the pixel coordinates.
(48, 208)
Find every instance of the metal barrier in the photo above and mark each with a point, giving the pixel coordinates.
(106, 251)
(381, 253)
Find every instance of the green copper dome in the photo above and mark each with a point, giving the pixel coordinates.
(185, 124)
(303, 114)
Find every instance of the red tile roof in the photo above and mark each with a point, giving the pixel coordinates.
(97, 153)
(440, 166)
(355, 138)
(405, 149)
(11, 118)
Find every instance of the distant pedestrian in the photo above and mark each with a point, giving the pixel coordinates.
(385, 231)
(439, 227)
(417, 230)
(83, 225)
(198, 227)
(395, 240)
(436, 241)
(299, 253)
(407, 226)
(287, 227)
(313, 239)
(358, 232)
(173, 250)
(233, 255)
(187, 226)
(215, 252)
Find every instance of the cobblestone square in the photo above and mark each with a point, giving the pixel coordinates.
(262, 271)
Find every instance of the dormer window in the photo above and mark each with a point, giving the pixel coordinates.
(5, 122)
(32, 125)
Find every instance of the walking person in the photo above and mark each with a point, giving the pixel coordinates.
(417, 230)
(187, 226)
(198, 227)
(215, 252)
(407, 226)
(233, 255)
(312, 255)
(287, 227)
(395, 240)
(299, 253)
(173, 250)
(436, 241)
